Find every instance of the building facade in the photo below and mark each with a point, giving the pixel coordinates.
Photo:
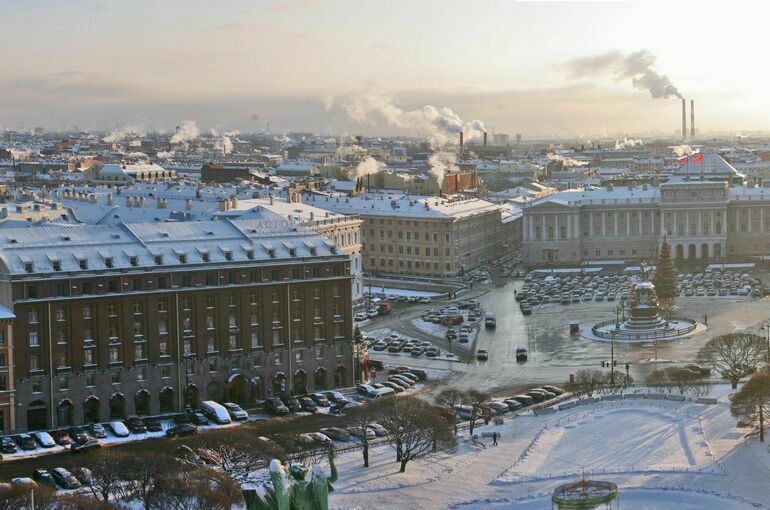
(141, 319)
(706, 216)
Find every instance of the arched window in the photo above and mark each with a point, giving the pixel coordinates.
(64, 413)
(166, 400)
(142, 402)
(319, 379)
(117, 406)
(340, 376)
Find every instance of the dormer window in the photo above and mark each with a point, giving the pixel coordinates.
(182, 258)
(83, 263)
(108, 262)
(271, 253)
(56, 265)
(205, 257)
(228, 255)
(158, 260)
(312, 251)
(28, 267)
(292, 252)
(133, 261)
(249, 254)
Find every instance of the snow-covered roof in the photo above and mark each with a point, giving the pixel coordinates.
(34, 250)
(712, 167)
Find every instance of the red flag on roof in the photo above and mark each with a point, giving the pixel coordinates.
(682, 161)
(698, 158)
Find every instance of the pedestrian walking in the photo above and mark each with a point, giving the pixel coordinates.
(494, 438)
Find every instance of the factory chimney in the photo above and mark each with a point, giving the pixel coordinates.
(684, 119)
(485, 138)
(461, 145)
(692, 119)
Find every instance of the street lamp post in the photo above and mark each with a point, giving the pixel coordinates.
(612, 357)
(766, 328)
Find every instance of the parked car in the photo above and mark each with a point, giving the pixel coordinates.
(308, 404)
(24, 481)
(356, 432)
(136, 425)
(498, 407)
(553, 389)
(482, 355)
(44, 439)
(336, 433)
(513, 404)
(7, 445)
(536, 396)
(118, 428)
(83, 474)
(184, 429)
(311, 438)
(65, 479)
(98, 431)
(215, 412)
(154, 425)
(198, 418)
(365, 390)
(336, 398)
(43, 477)
(88, 444)
(378, 429)
(61, 437)
(394, 386)
(293, 404)
(25, 442)
(320, 399)
(276, 406)
(236, 413)
(401, 379)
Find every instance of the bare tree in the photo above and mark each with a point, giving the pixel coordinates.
(734, 356)
(752, 402)
(107, 472)
(18, 497)
(475, 400)
(142, 473)
(234, 453)
(200, 489)
(587, 382)
(415, 428)
(615, 383)
(360, 419)
(449, 399)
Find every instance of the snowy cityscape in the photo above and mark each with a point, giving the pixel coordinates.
(293, 255)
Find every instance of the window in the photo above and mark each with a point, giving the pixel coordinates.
(320, 351)
(114, 354)
(255, 343)
(32, 317)
(299, 355)
(88, 357)
(162, 305)
(210, 347)
(209, 301)
(163, 347)
(34, 362)
(138, 330)
(139, 352)
(209, 322)
(141, 373)
(61, 359)
(253, 298)
(87, 312)
(232, 342)
(34, 341)
(112, 310)
(91, 379)
(253, 319)
(316, 293)
(231, 322)
(231, 300)
(162, 327)
(137, 307)
(317, 333)
(277, 337)
(339, 349)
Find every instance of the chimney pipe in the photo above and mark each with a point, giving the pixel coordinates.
(485, 138)
(684, 119)
(692, 119)
(461, 145)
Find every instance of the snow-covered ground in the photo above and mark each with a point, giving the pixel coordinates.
(661, 454)
(402, 292)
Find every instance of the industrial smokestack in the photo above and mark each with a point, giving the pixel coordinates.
(485, 138)
(461, 144)
(684, 119)
(692, 119)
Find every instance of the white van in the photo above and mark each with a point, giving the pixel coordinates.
(381, 392)
(215, 412)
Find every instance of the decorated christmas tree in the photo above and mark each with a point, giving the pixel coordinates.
(665, 277)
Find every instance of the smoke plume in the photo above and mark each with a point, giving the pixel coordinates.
(121, 133)
(566, 162)
(627, 143)
(440, 163)
(186, 133)
(682, 150)
(367, 166)
(441, 125)
(347, 151)
(637, 66)
(222, 141)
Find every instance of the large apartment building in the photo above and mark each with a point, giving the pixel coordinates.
(112, 321)
(426, 236)
(705, 208)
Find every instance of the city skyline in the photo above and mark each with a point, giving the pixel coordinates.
(285, 63)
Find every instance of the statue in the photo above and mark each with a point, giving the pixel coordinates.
(293, 489)
(645, 272)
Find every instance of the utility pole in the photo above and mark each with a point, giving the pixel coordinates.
(612, 358)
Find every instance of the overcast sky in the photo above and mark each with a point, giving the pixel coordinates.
(102, 64)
